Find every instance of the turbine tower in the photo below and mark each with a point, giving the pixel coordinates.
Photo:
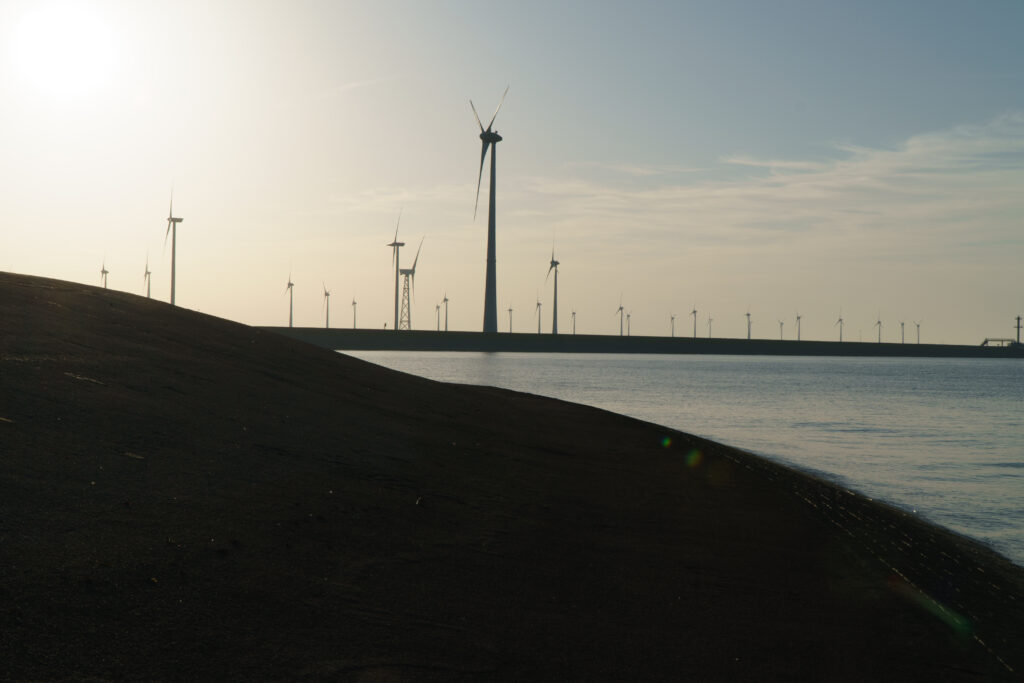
(798, 327)
(438, 307)
(395, 246)
(574, 322)
(490, 139)
(510, 319)
(1018, 329)
(879, 326)
(628, 314)
(620, 310)
(672, 324)
(694, 314)
(840, 323)
(445, 302)
(327, 307)
(353, 313)
(781, 323)
(289, 288)
(103, 273)
(918, 323)
(172, 230)
(554, 307)
(902, 340)
(405, 319)
(748, 325)
(146, 277)
(538, 316)
(710, 320)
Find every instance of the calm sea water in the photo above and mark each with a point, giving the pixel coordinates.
(943, 438)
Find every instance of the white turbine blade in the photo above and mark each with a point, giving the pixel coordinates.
(499, 107)
(415, 260)
(476, 116)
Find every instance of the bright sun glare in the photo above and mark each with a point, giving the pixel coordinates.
(62, 49)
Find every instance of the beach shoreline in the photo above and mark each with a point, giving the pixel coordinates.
(190, 498)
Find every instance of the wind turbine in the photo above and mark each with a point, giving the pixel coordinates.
(879, 326)
(103, 273)
(146, 277)
(438, 307)
(445, 302)
(840, 323)
(490, 139)
(748, 325)
(672, 323)
(327, 307)
(510, 319)
(918, 323)
(694, 314)
(628, 332)
(574, 321)
(538, 315)
(798, 327)
(353, 313)
(554, 307)
(405, 319)
(172, 229)
(781, 323)
(620, 310)
(710, 320)
(902, 340)
(289, 288)
(395, 246)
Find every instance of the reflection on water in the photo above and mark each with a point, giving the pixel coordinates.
(943, 437)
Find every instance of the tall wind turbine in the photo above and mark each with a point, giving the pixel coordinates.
(353, 313)
(672, 324)
(405, 319)
(538, 316)
(781, 323)
(710, 320)
(798, 327)
(172, 230)
(554, 307)
(445, 302)
(918, 323)
(748, 325)
(289, 288)
(840, 323)
(694, 314)
(901, 333)
(574, 321)
(395, 246)
(327, 307)
(620, 310)
(438, 307)
(510, 319)
(489, 138)
(146, 277)
(103, 273)
(879, 326)
(628, 315)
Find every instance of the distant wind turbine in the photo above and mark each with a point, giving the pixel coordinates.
(510, 319)
(781, 323)
(748, 325)
(628, 329)
(574, 321)
(103, 273)
(445, 302)
(879, 326)
(672, 324)
(172, 229)
(289, 289)
(554, 306)
(840, 323)
(902, 339)
(353, 313)
(694, 314)
(146, 277)
(710, 320)
(438, 308)
(620, 311)
(327, 307)
(490, 139)
(918, 323)
(538, 316)
(798, 327)
(395, 246)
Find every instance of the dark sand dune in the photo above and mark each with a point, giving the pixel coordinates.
(185, 498)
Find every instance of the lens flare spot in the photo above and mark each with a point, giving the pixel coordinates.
(666, 442)
(694, 458)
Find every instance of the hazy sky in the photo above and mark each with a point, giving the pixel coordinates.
(778, 157)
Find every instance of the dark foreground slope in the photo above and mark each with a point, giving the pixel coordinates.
(185, 498)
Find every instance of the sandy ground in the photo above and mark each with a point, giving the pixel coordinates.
(186, 498)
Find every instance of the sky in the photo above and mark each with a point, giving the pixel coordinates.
(823, 159)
